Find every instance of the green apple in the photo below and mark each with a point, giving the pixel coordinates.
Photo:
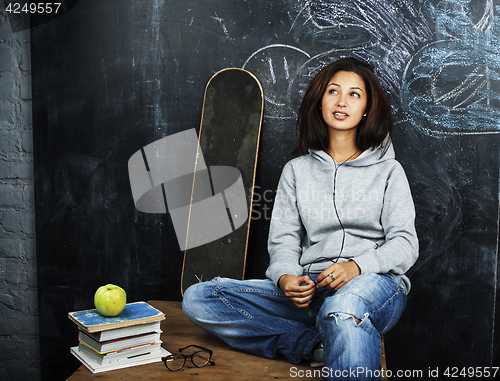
(110, 300)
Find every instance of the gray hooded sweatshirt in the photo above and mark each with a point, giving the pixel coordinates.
(360, 210)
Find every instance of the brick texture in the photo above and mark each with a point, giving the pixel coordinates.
(19, 344)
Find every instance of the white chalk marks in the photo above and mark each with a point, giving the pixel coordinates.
(276, 66)
(451, 86)
(440, 63)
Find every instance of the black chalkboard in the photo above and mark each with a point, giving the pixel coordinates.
(111, 77)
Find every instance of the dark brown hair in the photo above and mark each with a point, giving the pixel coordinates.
(372, 130)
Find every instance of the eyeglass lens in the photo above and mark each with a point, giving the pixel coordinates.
(175, 362)
(200, 359)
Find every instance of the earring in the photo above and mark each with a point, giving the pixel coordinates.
(364, 114)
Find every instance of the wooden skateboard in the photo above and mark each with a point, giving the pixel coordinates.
(228, 137)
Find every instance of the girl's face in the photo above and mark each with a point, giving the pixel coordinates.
(344, 101)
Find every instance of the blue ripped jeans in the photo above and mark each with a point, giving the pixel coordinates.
(255, 316)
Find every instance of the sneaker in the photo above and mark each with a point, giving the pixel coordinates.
(319, 356)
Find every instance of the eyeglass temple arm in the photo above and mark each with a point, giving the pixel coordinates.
(196, 346)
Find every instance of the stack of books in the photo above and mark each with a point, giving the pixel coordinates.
(129, 339)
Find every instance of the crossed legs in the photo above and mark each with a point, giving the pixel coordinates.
(256, 317)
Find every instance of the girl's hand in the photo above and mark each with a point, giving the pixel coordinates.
(296, 291)
(342, 273)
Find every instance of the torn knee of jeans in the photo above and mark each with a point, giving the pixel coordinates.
(344, 316)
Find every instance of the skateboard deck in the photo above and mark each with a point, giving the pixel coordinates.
(228, 137)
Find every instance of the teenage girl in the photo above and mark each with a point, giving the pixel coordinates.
(342, 236)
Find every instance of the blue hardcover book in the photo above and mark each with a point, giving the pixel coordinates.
(133, 314)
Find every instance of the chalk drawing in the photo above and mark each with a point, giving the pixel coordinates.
(224, 28)
(440, 64)
(451, 86)
(372, 30)
(275, 65)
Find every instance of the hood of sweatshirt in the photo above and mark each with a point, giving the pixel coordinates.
(369, 157)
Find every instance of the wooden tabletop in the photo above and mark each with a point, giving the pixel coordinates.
(230, 364)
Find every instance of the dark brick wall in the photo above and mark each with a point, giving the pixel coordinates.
(19, 349)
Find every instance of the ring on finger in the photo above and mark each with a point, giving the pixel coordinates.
(331, 276)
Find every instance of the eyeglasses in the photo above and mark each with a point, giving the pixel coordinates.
(200, 358)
